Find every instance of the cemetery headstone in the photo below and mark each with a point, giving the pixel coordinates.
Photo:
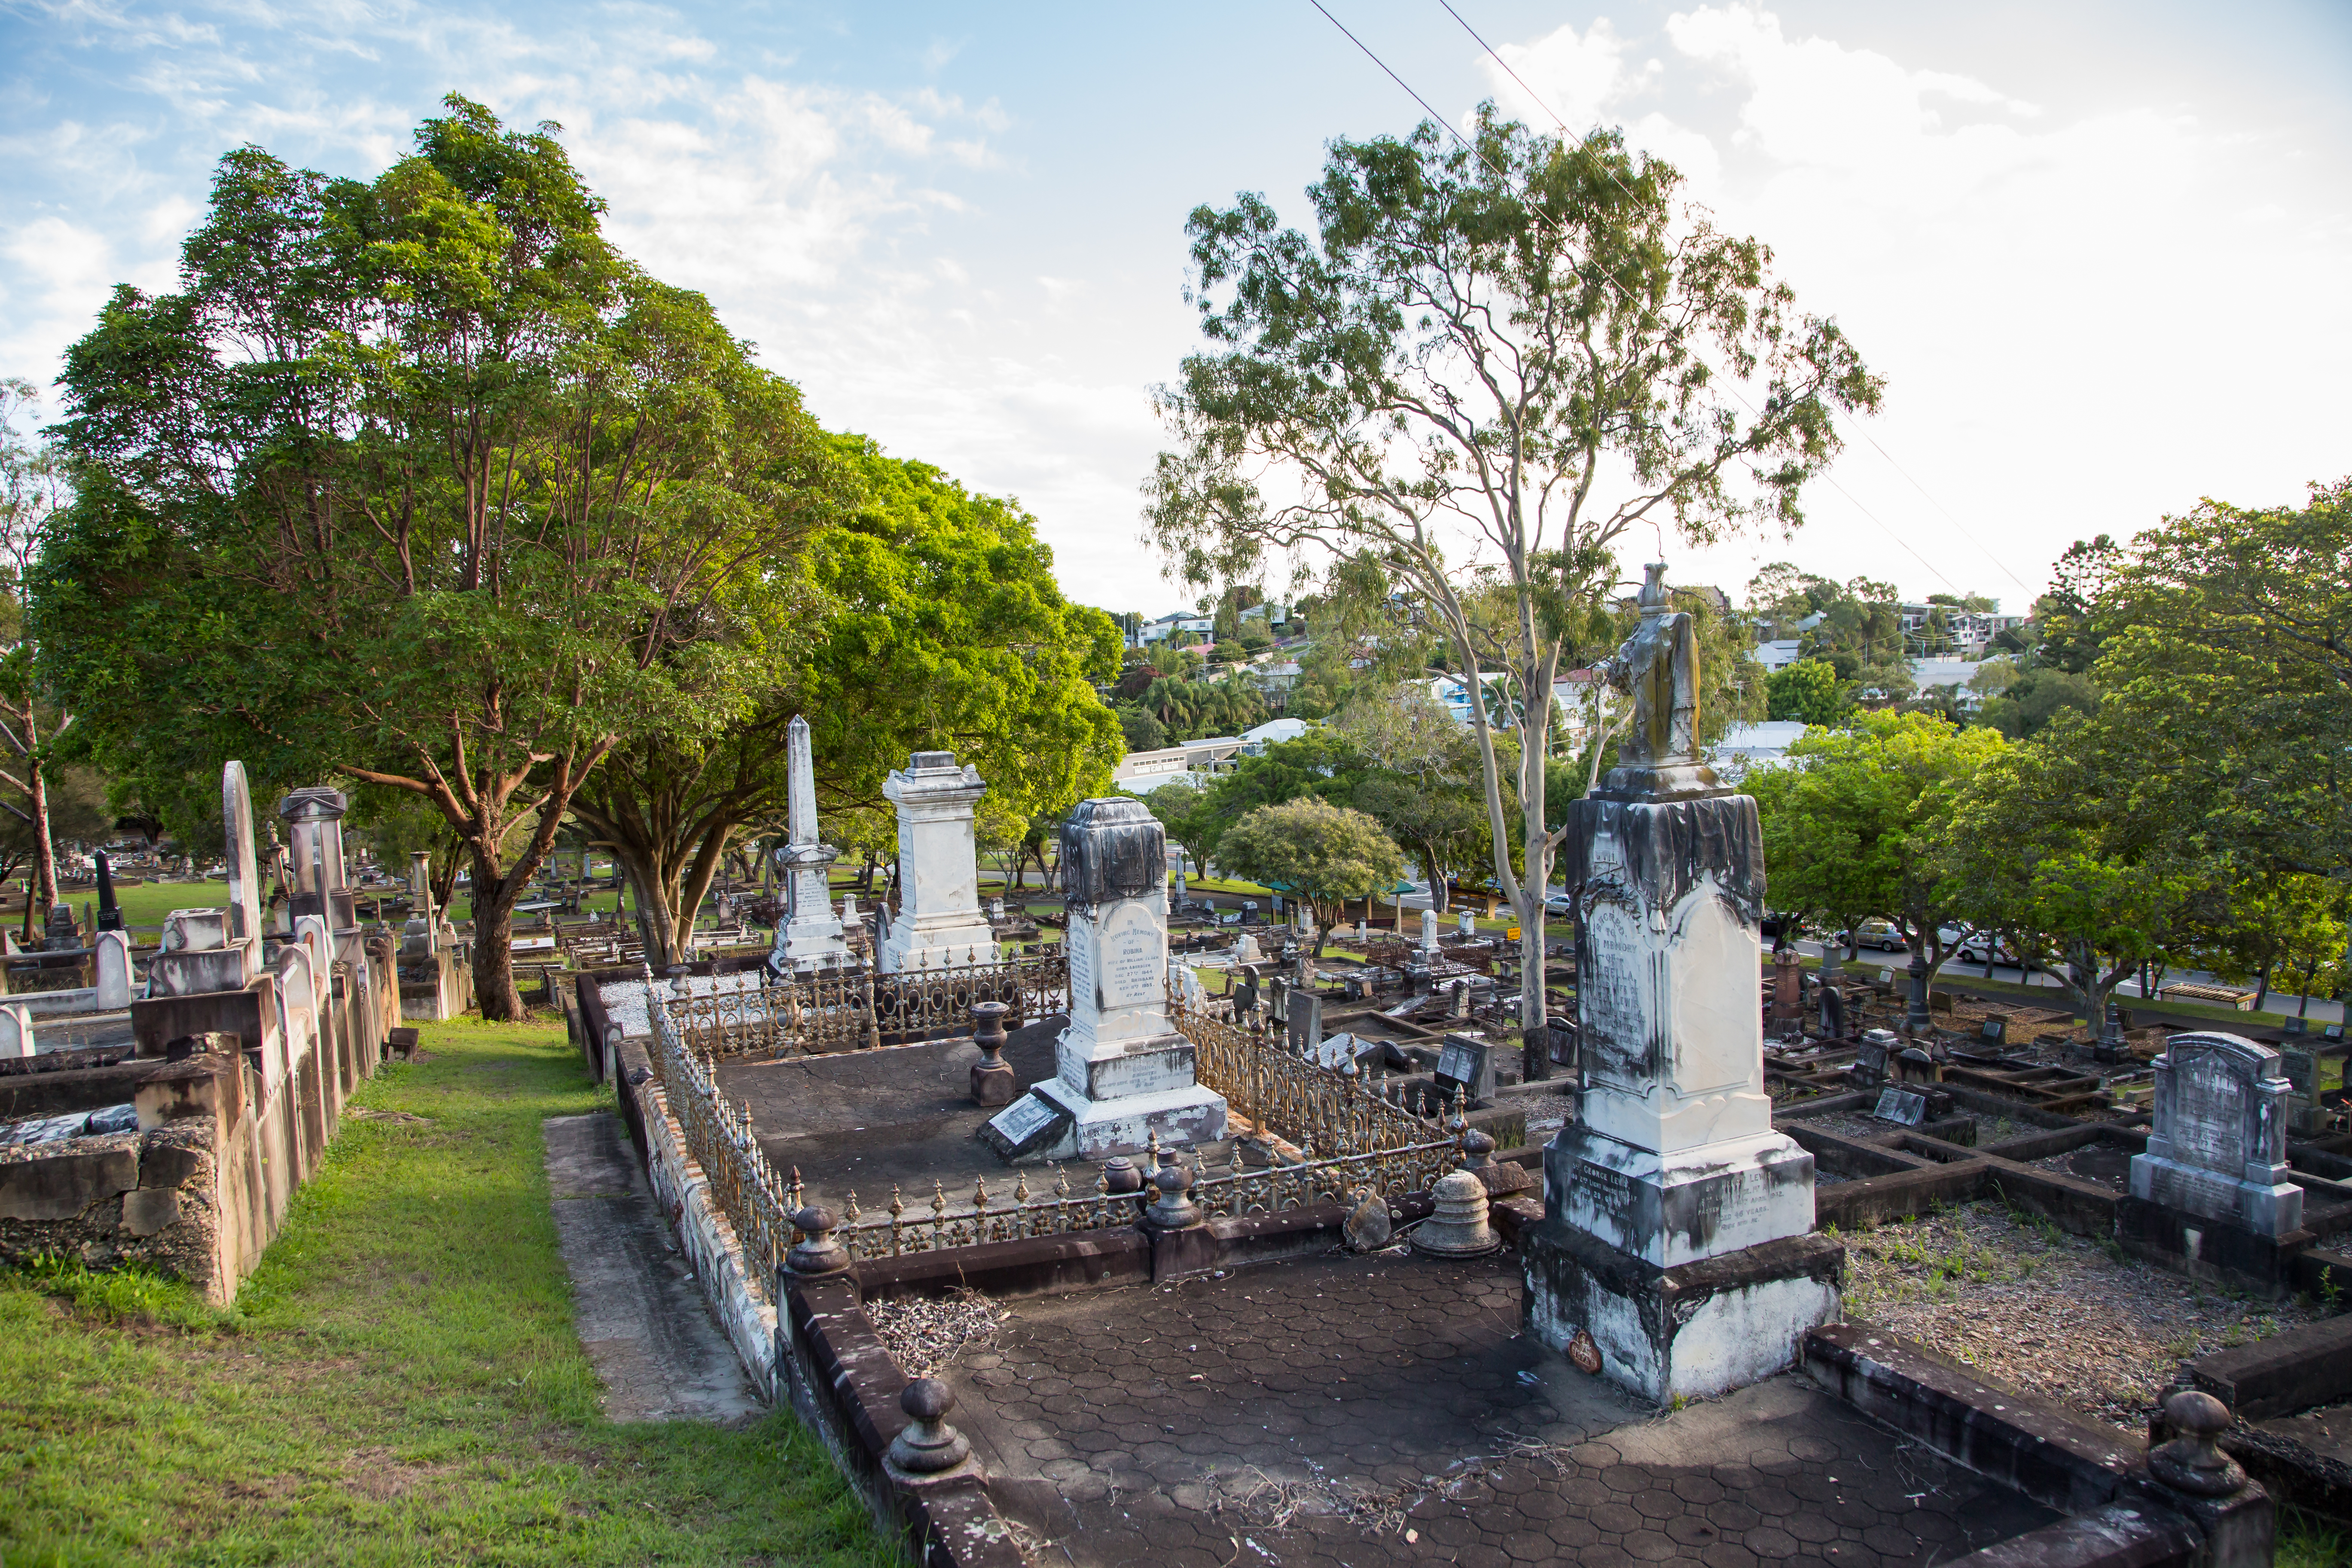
(1428, 935)
(1673, 1161)
(1466, 924)
(110, 911)
(2304, 1115)
(1245, 992)
(1994, 1032)
(1874, 1059)
(940, 923)
(1303, 1020)
(1466, 1064)
(1905, 1106)
(2217, 1145)
(1124, 1072)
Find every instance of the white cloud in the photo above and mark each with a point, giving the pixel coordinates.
(2053, 298)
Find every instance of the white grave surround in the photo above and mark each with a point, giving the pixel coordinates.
(1124, 1072)
(2217, 1143)
(940, 924)
(1673, 1164)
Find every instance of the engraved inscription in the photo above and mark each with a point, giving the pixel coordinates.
(1134, 958)
(1078, 943)
(1023, 1117)
(1611, 1000)
(2209, 1114)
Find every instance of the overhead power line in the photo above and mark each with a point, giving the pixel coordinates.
(1853, 429)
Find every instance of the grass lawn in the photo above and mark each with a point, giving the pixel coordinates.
(399, 1382)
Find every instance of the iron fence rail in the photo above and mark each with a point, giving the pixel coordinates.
(1328, 1134)
(750, 1013)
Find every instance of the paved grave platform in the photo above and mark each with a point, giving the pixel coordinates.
(901, 1115)
(1388, 1410)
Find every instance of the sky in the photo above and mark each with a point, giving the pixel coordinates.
(2098, 250)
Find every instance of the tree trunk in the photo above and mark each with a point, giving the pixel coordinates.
(45, 849)
(493, 910)
(2262, 987)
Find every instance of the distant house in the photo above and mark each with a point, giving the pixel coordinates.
(1966, 633)
(1276, 679)
(1955, 672)
(1179, 627)
(1776, 655)
(1454, 693)
(1255, 742)
(1746, 746)
(1143, 772)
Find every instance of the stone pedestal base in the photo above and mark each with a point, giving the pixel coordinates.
(2260, 1201)
(994, 1086)
(1694, 1331)
(1668, 1210)
(953, 947)
(1102, 1128)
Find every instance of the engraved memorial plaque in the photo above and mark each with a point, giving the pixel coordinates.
(1902, 1105)
(1134, 959)
(1030, 1123)
(1613, 1012)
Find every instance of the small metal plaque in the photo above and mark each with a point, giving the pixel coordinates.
(1902, 1105)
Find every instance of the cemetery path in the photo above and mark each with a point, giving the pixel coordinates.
(660, 1354)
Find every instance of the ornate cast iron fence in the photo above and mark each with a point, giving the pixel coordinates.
(720, 1138)
(745, 1014)
(1279, 1091)
(1342, 1136)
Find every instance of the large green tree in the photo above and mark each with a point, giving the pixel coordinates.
(2224, 647)
(419, 482)
(929, 619)
(1855, 827)
(1320, 854)
(1485, 366)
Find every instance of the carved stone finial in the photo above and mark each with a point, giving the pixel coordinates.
(927, 1448)
(1459, 1227)
(1173, 1209)
(817, 1253)
(2193, 1462)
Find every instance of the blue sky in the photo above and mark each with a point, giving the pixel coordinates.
(2098, 249)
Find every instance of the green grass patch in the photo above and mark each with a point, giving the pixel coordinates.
(399, 1382)
(2308, 1540)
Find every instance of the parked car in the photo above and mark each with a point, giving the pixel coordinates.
(1978, 948)
(1560, 905)
(1883, 935)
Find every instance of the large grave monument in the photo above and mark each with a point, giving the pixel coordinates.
(1123, 1071)
(1676, 1223)
(940, 924)
(810, 937)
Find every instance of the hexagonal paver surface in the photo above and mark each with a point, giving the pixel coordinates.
(1355, 1412)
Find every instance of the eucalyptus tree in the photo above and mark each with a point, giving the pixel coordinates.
(1494, 357)
(420, 482)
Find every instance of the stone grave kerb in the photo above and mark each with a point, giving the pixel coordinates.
(2217, 1139)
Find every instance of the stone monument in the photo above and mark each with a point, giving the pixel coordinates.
(809, 937)
(2217, 1145)
(939, 924)
(1677, 1223)
(1123, 1071)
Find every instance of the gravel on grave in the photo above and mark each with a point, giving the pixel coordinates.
(2053, 1314)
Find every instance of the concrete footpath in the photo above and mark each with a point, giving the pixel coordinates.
(641, 1319)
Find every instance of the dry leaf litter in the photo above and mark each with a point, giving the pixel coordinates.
(924, 1334)
(2053, 1314)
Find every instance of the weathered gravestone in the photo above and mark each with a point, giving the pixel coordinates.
(2303, 1078)
(1303, 1020)
(809, 937)
(2217, 1148)
(939, 924)
(1124, 1072)
(1465, 1066)
(1677, 1227)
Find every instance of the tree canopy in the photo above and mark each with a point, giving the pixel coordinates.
(419, 482)
(1486, 365)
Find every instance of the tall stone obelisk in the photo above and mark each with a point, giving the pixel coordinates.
(809, 936)
(1677, 1223)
